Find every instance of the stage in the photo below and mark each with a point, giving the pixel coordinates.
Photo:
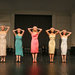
(43, 67)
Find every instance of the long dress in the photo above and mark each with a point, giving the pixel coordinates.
(64, 46)
(34, 43)
(3, 44)
(18, 45)
(52, 44)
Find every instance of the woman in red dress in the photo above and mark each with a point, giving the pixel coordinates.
(34, 42)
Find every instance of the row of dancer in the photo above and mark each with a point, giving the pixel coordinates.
(64, 34)
(52, 32)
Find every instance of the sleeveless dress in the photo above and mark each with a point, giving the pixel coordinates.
(64, 46)
(3, 44)
(18, 45)
(52, 44)
(34, 43)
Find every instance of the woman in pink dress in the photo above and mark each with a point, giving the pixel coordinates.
(34, 42)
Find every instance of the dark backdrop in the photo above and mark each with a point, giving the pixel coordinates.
(27, 21)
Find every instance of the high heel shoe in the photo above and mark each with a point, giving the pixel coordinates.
(16, 60)
(35, 61)
(19, 61)
(62, 61)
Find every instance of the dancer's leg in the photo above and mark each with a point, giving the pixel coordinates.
(19, 58)
(62, 58)
(33, 57)
(16, 57)
(4, 58)
(1, 58)
(65, 58)
(36, 57)
(52, 57)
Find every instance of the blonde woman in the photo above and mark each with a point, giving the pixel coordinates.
(52, 32)
(34, 42)
(3, 33)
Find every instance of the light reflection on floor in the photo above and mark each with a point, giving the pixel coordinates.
(41, 68)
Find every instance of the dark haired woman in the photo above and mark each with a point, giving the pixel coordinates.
(18, 43)
(64, 38)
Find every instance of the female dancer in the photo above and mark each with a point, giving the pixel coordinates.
(64, 37)
(34, 42)
(52, 36)
(18, 43)
(3, 34)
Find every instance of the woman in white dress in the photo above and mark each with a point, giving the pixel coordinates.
(64, 36)
(3, 33)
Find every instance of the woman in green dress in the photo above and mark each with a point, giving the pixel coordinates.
(18, 43)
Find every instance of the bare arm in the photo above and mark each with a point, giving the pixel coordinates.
(39, 30)
(69, 33)
(14, 32)
(7, 28)
(57, 31)
(47, 31)
(22, 32)
(29, 29)
(60, 32)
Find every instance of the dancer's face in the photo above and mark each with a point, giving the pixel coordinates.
(18, 30)
(35, 28)
(64, 32)
(52, 30)
(2, 28)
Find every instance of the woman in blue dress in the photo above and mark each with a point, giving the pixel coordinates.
(18, 43)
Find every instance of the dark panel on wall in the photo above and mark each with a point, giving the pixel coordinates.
(72, 51)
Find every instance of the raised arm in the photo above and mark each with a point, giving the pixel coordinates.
(39, 30)
(0, 27)
(57, 31)
(14, 31)
(29, 29)
(47, 31)
(60, 32)
(22, 31)
(69, 33)
(7, 28)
